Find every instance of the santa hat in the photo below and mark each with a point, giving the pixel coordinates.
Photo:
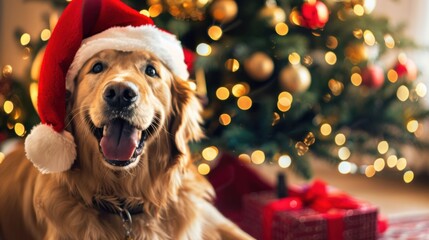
(84, 29)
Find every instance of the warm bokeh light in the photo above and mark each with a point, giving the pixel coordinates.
(421, 89)
(244, 158)
(203, 49)
(379, 164)
(392, 160)
(232, 65)
(294, 58)
(325, 129)
(344, 153)
(258, 157)
(356, 79)
(369, 37)
(345, 167)
(358, 33)
(392, 75)
(276, 119)
(240, 89)
(8, 106)
(408, 176)
(7, 71)
(45, 34)
(222, 93)
(401, 164)
(389, 41)
(412, 126)
(403, 93)
(210, 153)
(2, 156)
(215, 32)
(330, 58)
(244, 103)
(383, 147)
(332, 42)
(281, 29)
(225, 119)
(19, 129)
(155, 10)
(340, 139)
(285, 161)
(369, 171)
(204, 169)
(145, 12)
(358, 10)
(25, 39)
(192, 85)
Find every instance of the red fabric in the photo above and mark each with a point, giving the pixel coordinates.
(273, 207)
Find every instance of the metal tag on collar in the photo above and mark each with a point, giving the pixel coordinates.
(127, 223)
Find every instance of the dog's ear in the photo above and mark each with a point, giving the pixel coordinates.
(186, 117)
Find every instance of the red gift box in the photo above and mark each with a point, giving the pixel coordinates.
(311, 212)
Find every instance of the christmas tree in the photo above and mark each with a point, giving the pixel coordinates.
(281, 79)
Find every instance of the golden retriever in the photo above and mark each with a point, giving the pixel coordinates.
(126, 106)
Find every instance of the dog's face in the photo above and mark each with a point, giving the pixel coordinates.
(125, 100)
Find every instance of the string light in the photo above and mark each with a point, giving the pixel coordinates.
(392, 160)
(8, 106)
(356, 79)
(232, 65)
(240, 89)
(383, 147)
(401, 164)
(281, 29)
(294, 58)
(340, 139)
(204, 169)
(285, 161)
(155, 10)
(369, 171)
(379, 164)
(421, 89)
(244, 103)
(225, 119)
(344, 153)
(345, 167)
(203, 49)
(412, 126)
(358, 10)
(369, 6)
(222, 93)
(330, 58)
(258, 157)
(215, 32)
(408, 176)
(25, 39)
(244, 158)
(389, 41)
(369, 37)
(19, 129)
(325, 129)
(402, 93)
(45, 34)
(392, 75)
(210, 153)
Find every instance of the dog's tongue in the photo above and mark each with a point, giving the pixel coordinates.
(119, 140)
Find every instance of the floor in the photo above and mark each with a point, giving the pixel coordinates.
(393, 197)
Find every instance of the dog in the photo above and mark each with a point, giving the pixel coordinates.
(130, 107)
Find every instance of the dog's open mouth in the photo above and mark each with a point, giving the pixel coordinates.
(120, 142)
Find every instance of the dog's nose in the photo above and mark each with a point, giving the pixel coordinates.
(120, 94)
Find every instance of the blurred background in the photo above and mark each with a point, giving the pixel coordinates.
(333, 89)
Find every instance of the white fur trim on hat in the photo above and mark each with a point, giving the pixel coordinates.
(146, 37)
(50, 151)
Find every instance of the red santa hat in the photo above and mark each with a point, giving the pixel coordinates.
(85, 28)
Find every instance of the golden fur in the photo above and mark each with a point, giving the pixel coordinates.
(176, 199)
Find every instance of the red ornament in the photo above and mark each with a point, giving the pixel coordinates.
(315, 14)
(372, 76)
(406, 68)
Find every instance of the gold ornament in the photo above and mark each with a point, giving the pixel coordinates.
(356, 52)
(186, 9)
(272, 13)
(259, 66)
(295, 78)
(224, 10)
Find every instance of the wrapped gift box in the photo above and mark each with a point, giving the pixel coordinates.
(309, 213)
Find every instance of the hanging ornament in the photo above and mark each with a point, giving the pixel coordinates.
(224, 10)
(272, 13)
(356, 52)
(314, 14)
(372, 76)
(184, 9)
(259, 66)
(405, 67)
(295, 78)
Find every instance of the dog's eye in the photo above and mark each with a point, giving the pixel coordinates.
(98, 67)
(151, 71)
